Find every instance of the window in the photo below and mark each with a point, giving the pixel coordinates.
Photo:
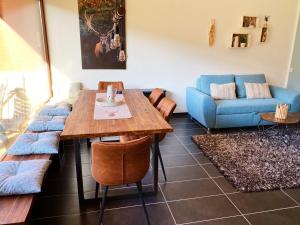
(24, 77)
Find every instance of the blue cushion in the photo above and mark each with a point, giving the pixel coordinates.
(243, 105)
(204, 81)
(35, 143)
(22, 177)
(59, 109)
(47, 123)
(241, 79)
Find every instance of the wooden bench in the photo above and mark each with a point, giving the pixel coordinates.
(16, 209)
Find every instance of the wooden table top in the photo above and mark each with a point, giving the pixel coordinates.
(292, 118)
(146, 120)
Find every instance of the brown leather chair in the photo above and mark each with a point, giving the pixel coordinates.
(156, 96)
(102, 85)
(166, 107)
(118, 163)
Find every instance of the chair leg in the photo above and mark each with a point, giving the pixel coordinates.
(162, 165)
(139, 187)
(102, 205)
(97, 190)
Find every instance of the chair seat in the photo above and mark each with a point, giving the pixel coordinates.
(243, 106)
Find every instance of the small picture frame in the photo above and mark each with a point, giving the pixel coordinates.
(263, 35)
(240, 40)
(250, 22)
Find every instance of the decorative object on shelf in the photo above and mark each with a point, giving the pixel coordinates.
(212, 32)
(240, 40)
(264, 31)
(102, 34)
(250, 21)
(282, 111)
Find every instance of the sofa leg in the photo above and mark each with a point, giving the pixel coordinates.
(209, 130)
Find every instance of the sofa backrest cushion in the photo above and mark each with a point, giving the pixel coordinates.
(241, 79)
(204, 81)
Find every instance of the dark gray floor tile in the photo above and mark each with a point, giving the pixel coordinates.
(66, 186)
(183, 173)
(201, 158)
(225, 185)
(202, 209)
(260, 201)
(193, 148)
(189, 189)
(188, 132)
(83, 219)
(173, 149)
(178, 160)
(281, 217)
(159, 215)
(186, 140)
(238, 220)
(186, 126)
(212, 170)
(169, 140)
(131, 200)
(181, 120)
(294, 193)
(55, 206)
(123, 216)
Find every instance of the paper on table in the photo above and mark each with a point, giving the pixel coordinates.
(111, 113)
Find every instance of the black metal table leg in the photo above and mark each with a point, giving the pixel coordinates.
(155, 162)
(79, 170)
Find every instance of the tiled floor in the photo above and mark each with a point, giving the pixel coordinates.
(196, 193)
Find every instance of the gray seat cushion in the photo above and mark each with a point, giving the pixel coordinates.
(47, 123)
(59, 109)
(22, 177)
(35, 143)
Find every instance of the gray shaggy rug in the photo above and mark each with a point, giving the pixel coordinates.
(255, 162)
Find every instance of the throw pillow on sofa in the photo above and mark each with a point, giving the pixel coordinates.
(223, 91)
(257, 91)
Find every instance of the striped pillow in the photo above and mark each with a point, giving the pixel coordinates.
(257, 90)
(223, 91)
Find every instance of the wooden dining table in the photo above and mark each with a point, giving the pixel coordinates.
(145, 120)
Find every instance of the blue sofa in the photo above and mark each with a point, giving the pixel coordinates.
(240, 112)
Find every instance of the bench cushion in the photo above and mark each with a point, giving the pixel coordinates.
(35, 143)
(243, 106)
(59, 109)
(22, 177)
(47, 123)
(241, 79)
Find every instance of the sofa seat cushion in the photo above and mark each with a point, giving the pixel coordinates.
(58, 109)
(47, 123)
(22, 177)
(243, 106)
(204, 81)
(35, 143)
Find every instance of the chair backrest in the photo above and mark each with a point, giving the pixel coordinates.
(166, 107)
(118, 163)
(155, 96)
(102, 85)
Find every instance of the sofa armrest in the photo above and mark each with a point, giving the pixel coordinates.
(288, 96)
(201, 106)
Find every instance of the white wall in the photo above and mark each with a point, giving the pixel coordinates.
(168, 47)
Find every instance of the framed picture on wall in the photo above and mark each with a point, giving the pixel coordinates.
(240, 40)
(263, 35)
(250, 21)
